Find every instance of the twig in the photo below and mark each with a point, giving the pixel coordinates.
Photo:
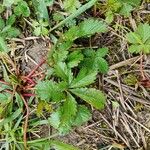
(123, 63)
(137, 122)
(115, 131)
(25, 123)
(141, 67)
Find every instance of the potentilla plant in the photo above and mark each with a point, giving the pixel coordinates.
(73, 70)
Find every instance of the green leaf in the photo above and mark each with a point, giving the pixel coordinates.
(95, 60)
(41, 9)
(140, 39)
(126, 9)
(5, 98)
(48, 90)
(8, 3)
(91, 26)
(143, 31)
(92, 96)
(55, 119)
(131, 2)
(133, 38)
(82, 9)
(10, 118)
(13, 32)
(71, 34)
(71, 5)
(68, 111)
(101, 64)
(102, 52)
(43, 90)
(49, 2)
(3, 46)
(87, 27)
(2, 23)
(109, 17)
(84, 78)
(74, 59)
(61, 70)
(22, 9)
(37, 31)
(134, 48)
(62, 146)
(11, 20)
(82, 116)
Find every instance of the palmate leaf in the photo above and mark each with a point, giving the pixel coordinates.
(92, 96)
(139, 39)
(84, 78)
(143, 31)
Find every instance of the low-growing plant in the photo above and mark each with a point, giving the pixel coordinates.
(122, 7)
(73, 70)
(140, 43)
(139, 39)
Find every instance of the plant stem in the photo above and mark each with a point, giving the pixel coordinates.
(33, 71)
(28, 94)
(25, 123)
(141, 67)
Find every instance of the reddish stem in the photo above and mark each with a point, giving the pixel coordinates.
(28, 79)
(3, 82)
(37, 74)
(29, 86)
(33, 71)
(28, 95)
